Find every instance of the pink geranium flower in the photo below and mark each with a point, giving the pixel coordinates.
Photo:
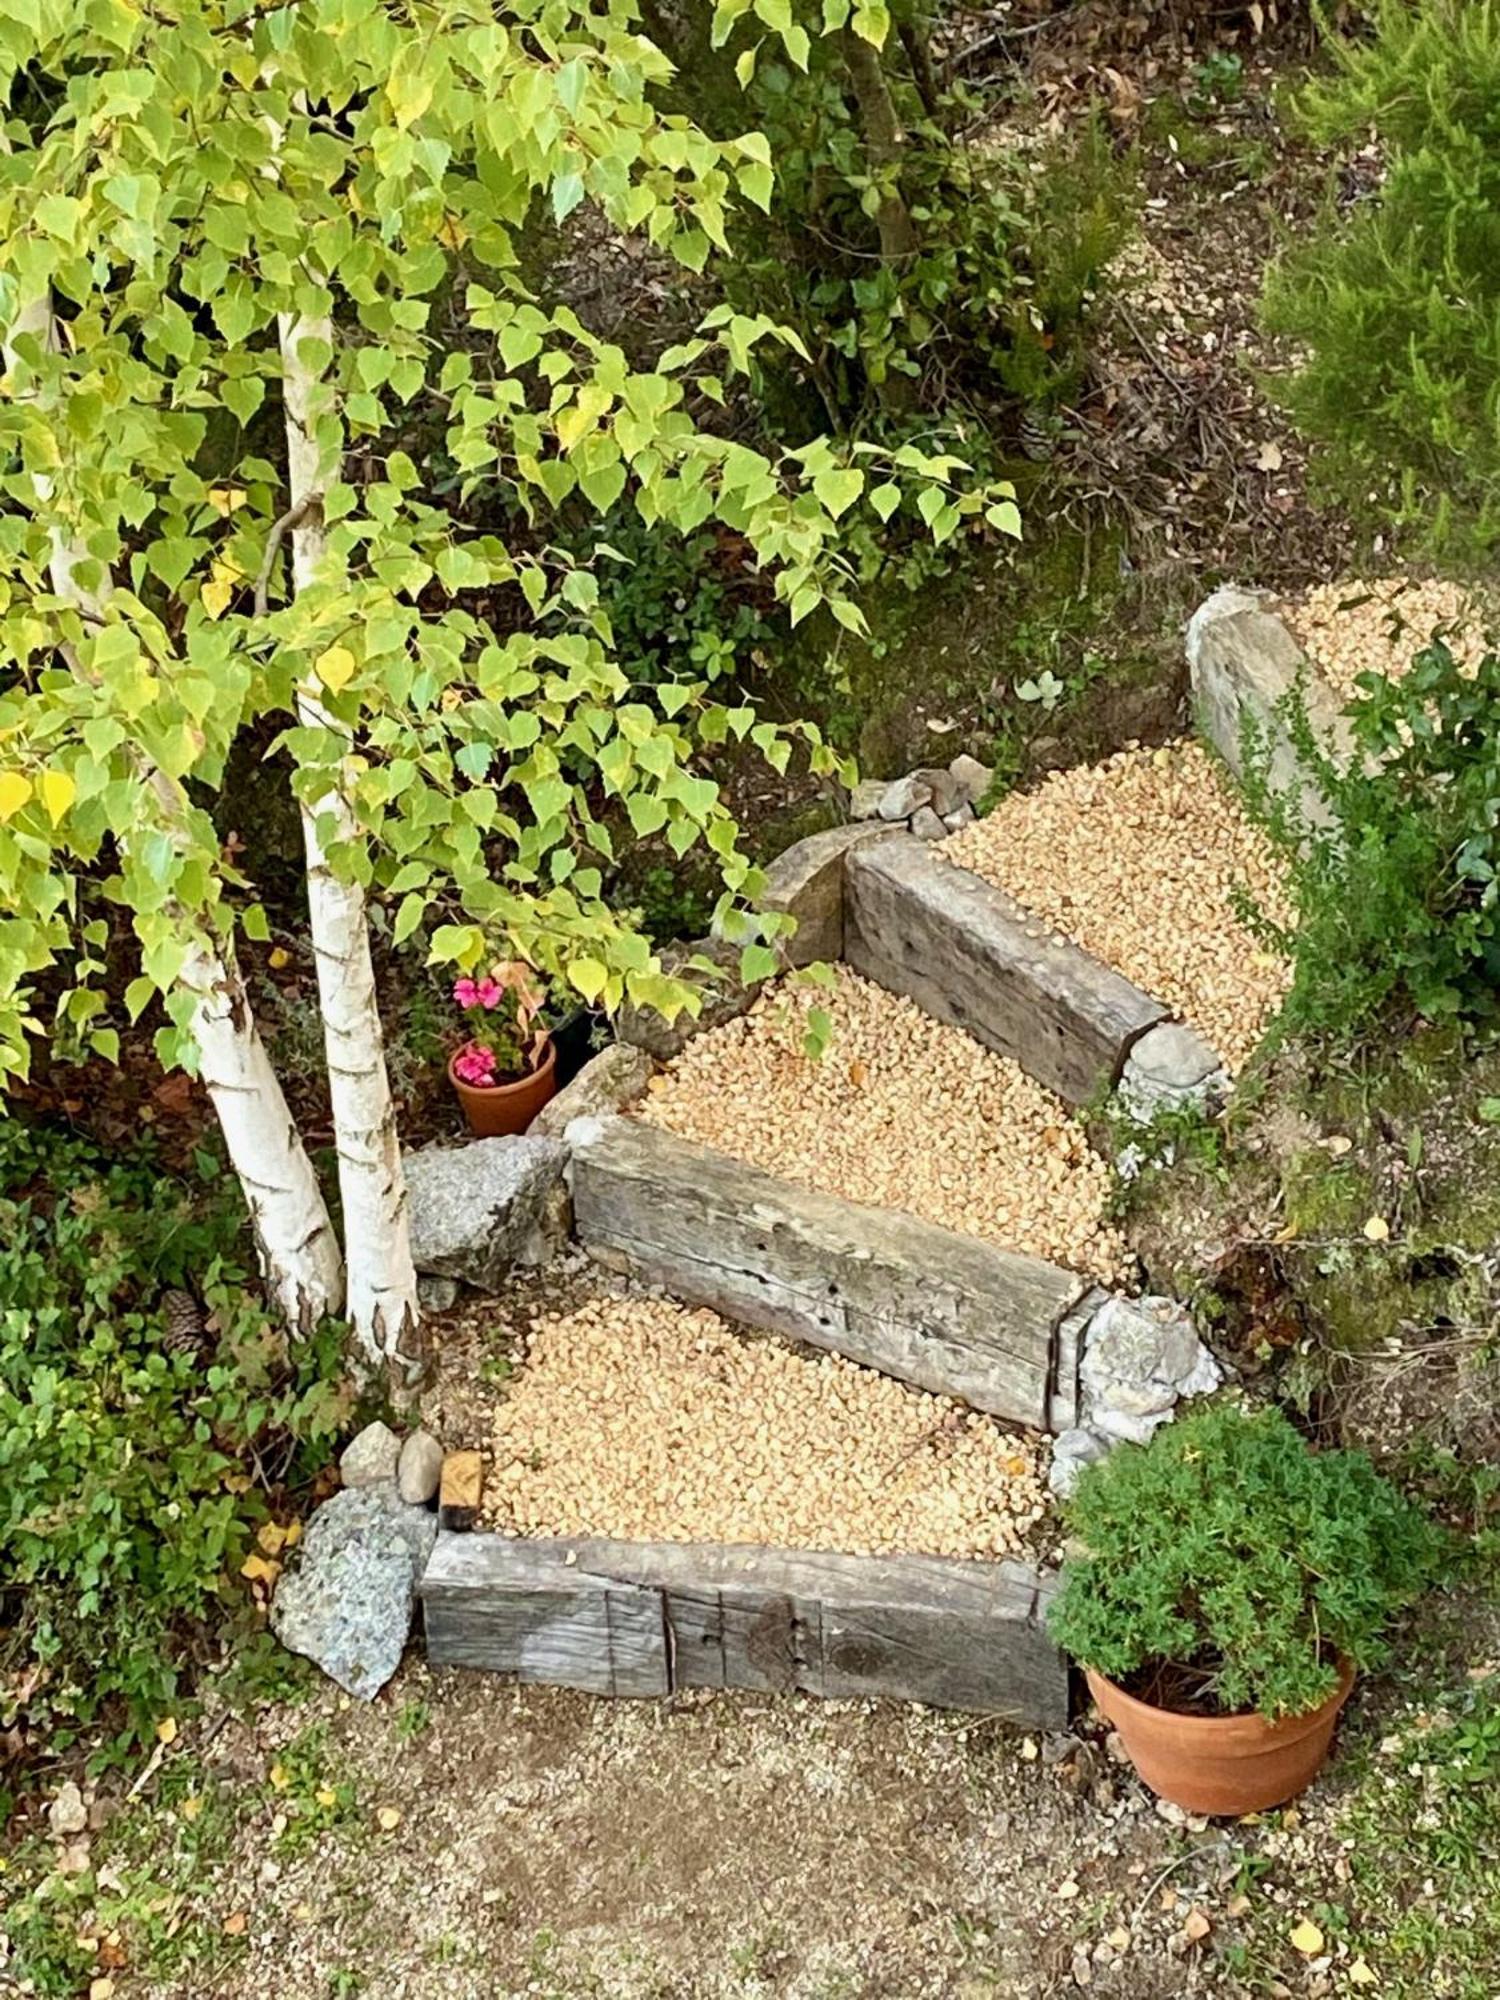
(466, 993)
(488, 993)
(475, 1064)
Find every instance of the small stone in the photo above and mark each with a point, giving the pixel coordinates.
(609, 1081)
(371, 1457)
(436, 1295)
(67, 1813)
(959, 818)
(947, 793)
(901, 799)
(972, 778)
(1071, 1452)
(926, 825)
(1169, 1067)
(420, 1468)
(864, 800)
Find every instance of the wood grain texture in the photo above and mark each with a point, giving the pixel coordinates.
(944, 1311)
(971, 956)
(648, 1617)
(806, 881)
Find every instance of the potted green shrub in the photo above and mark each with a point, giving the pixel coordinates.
(1227, 1584)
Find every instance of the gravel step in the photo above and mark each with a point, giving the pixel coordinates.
(944, 1311)
(971, 956)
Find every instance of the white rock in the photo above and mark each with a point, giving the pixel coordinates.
(1140, 1357)
(1071, 1452)
(347, 1603)
(420, 1468)
(371, 1457)
(67, 1813)
(1169, 1067)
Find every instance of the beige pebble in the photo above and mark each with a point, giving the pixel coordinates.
(1140, 859)
(641, 1419)
(900, 1112)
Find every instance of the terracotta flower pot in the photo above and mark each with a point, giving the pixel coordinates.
(1222, 1764)
(496, 1108)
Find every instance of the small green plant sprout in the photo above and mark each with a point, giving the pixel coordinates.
(1244, 1566)
(1044, 688)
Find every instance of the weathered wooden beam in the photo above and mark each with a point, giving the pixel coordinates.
(806, 881)
(970, 955)
(646, 1618)
(947, 1312)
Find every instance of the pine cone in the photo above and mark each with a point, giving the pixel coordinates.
(184, 1330)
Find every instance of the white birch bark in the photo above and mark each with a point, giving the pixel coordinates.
(294, 1235)
(382, 1282)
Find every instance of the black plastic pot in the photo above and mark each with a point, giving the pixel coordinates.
(577, 1036)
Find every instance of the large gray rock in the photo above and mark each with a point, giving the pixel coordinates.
(1141, 1356)
(370, 1457)
(608, 1082)
(1244, 661)
(347, 1605)
(480, 1209)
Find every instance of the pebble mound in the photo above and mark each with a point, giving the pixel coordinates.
(645, 1420)
(1138, 859)
(899, 1112)
(1351, 628)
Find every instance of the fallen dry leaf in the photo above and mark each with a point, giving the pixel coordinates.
(101, 1989)
(1377, 1229)
(237, 1925)
(1360, 1974)
(191, 1806)
(326, 1797)
(166, 1729)
(1306, 1938)
(388, 1818)
(1197, 1926)
(1269, 457)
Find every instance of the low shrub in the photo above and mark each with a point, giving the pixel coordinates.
(1245, 1564)
(135, 1467)
(1396, 881)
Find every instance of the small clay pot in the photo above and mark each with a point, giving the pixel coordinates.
(493, 1109)
(1222, 1764)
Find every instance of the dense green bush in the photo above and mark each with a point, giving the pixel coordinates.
(1228, 1551)
(1394, 305)
(1396, 882)
(985, 309)
(126, 1505)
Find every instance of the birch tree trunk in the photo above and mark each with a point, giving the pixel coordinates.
(382, 1282)
(294, 1235)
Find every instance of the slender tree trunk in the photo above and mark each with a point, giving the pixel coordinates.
(382, 1283)
(913, 35)
(882, 133)
(294, 1236)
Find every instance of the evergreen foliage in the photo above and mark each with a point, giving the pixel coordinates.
(1394, 308)
(1227, 1549)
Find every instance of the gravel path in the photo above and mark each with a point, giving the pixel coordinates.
(900, 1112)
(636, 1417)
(1352, 628)
(1138, 860)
